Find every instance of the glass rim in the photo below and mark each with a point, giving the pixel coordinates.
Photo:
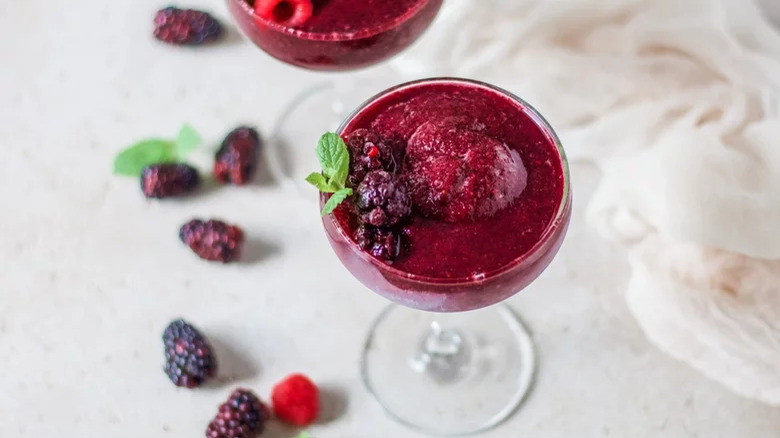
(555, 223)
(331, 36)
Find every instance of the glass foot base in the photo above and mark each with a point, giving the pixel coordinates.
(449, 374)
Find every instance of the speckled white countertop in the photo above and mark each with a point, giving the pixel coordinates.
(90, 272)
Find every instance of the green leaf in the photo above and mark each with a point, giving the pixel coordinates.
(319, 181)
(187, 141)
(132, 160)
(304, 435)
(334, 158)
(334, 201)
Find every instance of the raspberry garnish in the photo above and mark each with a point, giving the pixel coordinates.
(168, 180)
(285, 12)
(296, 400)
(242, 416)
(213, 240)
(185, 27)
(189, 360)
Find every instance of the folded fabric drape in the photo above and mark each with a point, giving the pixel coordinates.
(678, 104)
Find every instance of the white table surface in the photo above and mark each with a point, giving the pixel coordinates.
(90, 272)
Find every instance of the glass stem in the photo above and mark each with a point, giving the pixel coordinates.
(443, 354)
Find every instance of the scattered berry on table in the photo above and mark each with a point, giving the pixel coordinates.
(236, 159)
(242, 416)
(185, 26)
(213, 240)
(168, 180)
(285, 12)
(296, 400)
(382, 199)
(383, 244)
(368, 151)
(189, 360)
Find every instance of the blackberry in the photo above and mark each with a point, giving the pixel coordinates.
(213, 240)
(382, 199)
(242, 416)
(381, 243)
(168, 179)
(368, 151)
(185, 26)
(189, 360)
(236, 159)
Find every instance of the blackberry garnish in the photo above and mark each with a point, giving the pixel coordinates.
(236, 159)
(368, 151)
(185, 27)
(381, 243)
(242, 416)
(213, 240)
(189, 360)
(168, 180)
(382, 199)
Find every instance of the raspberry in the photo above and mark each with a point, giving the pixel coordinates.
(382, 199)
(185, 26)
(285, 12)
(168, 180)
(213, 240)
(296, 400)
(236, 159)
(189, 360)
(380, 243)
(368, 151)
(242, 416)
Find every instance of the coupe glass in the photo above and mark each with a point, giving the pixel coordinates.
(441, 360)
(323, 107)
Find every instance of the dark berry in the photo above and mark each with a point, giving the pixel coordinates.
(168, 180)
(213, 240)
(189, 360)
(185, 26)
(242, 416)
(382, 199)
(381, 243)
(285, 12)
(368, 151)
(236, 159)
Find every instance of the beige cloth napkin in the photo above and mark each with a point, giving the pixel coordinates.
(678, 104)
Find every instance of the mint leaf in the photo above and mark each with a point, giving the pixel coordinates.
(334, 158)
(319, 181)
(334, 201)
(132, 160)
(342, 169)
(187, 141)
(304, 435)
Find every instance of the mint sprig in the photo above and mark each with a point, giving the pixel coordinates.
(304, 435)
(132, 160)
(334, 159)
(187, 140)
